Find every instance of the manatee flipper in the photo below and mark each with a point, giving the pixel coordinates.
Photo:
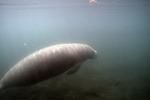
(74, 69)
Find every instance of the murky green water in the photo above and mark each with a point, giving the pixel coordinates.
(118, 30)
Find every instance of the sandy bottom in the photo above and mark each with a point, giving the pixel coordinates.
(84, 85)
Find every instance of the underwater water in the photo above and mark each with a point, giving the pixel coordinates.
(119, 30)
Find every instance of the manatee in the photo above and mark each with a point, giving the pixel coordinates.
(47, 63)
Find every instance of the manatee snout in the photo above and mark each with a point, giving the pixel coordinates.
(95, 55)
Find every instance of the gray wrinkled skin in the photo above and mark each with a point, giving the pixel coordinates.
(46, 63)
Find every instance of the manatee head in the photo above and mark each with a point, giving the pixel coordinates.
(84, 51)
(78, 51)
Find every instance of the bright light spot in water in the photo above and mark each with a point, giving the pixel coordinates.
(93, 1)
(24, 44)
